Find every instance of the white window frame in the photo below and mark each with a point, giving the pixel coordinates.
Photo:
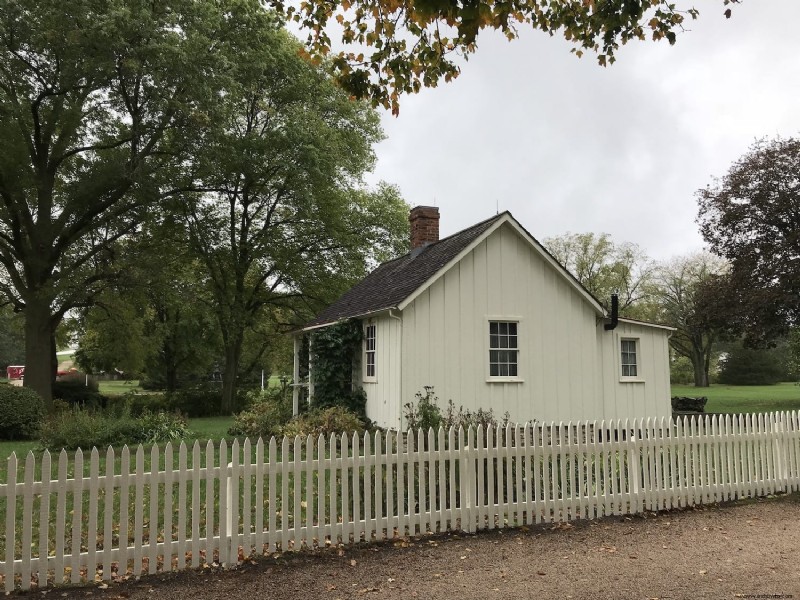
(637, 352)
(367, 351)
(489, 348)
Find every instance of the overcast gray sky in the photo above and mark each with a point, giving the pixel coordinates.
(567, 145)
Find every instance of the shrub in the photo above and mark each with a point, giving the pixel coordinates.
(156, 427)
(21, 413)
(200, 401)
(427, 414)
(267, 414)
(75, 391)
(326, 421)
(686, 404)
(139, 403)
(75, 427)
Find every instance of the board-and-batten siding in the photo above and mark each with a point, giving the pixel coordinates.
(647, 398)
(383, 394)
(569, 364)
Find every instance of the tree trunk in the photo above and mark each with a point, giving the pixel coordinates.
(700, 369)
(39, 356)
(229, 376)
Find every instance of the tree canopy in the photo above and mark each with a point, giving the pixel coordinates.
(751, 217)
(686, 296)
(605, 267)
(276, 210)
(392, 47)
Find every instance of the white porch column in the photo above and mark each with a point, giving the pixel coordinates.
(310, 370)
(296, 376)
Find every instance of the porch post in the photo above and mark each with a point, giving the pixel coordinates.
(296, 377)
(310, 369)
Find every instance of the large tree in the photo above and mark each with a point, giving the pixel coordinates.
(91, 92)
(277, 212)
(605, 267)
(751, 217)
(688, 295)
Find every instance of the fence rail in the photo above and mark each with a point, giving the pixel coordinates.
(84, 518)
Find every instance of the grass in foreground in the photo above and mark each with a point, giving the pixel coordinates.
(745, 398)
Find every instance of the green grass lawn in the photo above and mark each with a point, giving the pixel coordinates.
(745, 398)
(117, 388)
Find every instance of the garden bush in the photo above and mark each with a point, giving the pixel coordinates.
(21, 413)
(157, 427)
(325, 421)
(75, 391)
(139, 403)
(73, 427)
(427, 414)
(200, 401)
(267, 414)
(687, 404)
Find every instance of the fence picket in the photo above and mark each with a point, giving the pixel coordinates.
(27, 520)
(91, 531)
(11, 516)
(44, 522)
(272, 535)
(152, 527)
(169, 469)
(108, 514)
(183, 475)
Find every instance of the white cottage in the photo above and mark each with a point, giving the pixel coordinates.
(490, 319)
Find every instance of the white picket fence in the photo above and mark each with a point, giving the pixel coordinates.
(141, 512)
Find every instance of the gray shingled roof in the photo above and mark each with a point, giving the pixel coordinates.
(395, 280)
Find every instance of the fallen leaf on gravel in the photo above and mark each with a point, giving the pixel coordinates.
(331, 587)
(353, 562)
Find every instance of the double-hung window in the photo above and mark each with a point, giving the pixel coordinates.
(629, 358)
(370, 336)
(503, 349)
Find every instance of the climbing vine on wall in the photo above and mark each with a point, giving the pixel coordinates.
(334, 350)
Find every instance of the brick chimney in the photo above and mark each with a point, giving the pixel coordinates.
(424, 226)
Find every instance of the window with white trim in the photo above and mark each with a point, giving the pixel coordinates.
(629, 349)
(503, 349)
(370, 334)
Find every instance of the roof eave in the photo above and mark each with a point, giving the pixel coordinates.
(365, 315)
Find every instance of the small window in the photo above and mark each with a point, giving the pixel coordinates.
(503, 349)
(369, 351)
(629, 360)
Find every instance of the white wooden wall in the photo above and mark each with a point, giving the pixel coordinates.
(83, 519)
(564, 352)
(384, 395)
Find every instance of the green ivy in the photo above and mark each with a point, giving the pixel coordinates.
(334, 351)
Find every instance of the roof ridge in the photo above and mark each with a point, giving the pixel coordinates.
(452, 235)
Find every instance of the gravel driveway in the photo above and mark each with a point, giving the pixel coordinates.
(742, 550)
